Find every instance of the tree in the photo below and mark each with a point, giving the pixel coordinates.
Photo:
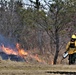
(58, 10)
(10, 20)
(36, 4)
(35, 27)
(55, 22)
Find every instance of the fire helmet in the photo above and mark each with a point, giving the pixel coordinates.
(73, 36)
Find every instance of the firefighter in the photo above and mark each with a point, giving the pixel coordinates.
(71, 49)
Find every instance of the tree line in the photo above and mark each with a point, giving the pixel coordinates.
(46, 25)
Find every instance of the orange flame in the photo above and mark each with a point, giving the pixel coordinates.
(51, 62)
(37, 58)
(8, 50)
(21, 51)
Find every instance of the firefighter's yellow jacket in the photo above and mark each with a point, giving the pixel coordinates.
(69, 49)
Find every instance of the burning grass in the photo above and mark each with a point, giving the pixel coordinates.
(19, 52)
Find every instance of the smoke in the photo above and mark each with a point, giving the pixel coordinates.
(9, 49)
(6, 42)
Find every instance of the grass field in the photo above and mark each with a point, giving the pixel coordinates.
(22, 68)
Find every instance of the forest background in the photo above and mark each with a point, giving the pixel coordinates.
(41, 26)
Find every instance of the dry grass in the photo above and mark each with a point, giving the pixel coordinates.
(22, 68)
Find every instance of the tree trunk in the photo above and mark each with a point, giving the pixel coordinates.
(57, 45)
(40, 41)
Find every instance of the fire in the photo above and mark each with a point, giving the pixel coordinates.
(37, 58)
(8, 50)
(23, 54)
(51, 62)
(21, 51)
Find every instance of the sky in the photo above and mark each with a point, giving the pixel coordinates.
(28, 2)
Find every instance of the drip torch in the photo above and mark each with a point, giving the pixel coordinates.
(65, 54)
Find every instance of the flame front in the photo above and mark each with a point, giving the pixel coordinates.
(37, 58)
(18, 51)
(21, 51)
(8, 50)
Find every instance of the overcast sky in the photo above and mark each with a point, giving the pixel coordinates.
(26, 1)
(41, 1)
